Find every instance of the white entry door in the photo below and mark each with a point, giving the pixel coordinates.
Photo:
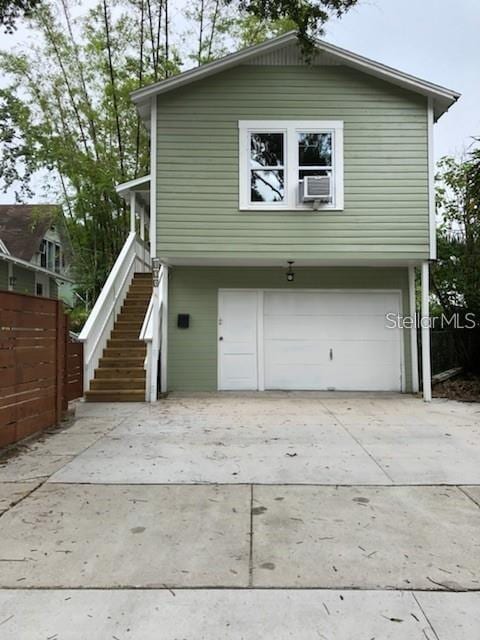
(237, 340)
(331, 340)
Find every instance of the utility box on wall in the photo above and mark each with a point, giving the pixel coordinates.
(183, 320)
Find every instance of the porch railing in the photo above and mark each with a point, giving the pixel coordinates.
(153, 333)
(133, 257)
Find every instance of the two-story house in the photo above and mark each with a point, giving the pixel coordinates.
(290, 203)
(34, 251)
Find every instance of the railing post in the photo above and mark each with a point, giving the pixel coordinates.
(155, 349)
(132, 211)
(164, 332)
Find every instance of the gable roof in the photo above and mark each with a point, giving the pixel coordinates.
(442, 97)
(22, 227)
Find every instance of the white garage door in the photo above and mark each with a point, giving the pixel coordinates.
(320, 340)
(308, 340)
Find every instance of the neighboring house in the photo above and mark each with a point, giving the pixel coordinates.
(34, 251)
(292, 203)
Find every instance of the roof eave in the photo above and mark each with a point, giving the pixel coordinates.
(443, 98)
(34, 267)
(205, 70)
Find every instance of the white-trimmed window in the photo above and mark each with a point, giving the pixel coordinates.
(277, 155)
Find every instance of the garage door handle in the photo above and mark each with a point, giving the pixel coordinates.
(331, 354)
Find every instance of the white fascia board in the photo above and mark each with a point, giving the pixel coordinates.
(388, 73)
(3, 248)
(133, 185)
(431, 184)
(443, 97)
(33, 267)
(210, 68)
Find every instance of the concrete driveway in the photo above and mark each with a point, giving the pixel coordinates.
(229, 516)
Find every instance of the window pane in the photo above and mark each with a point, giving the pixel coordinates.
(57, 258)
(50, 255)
(267, 186)
(315, 149)
(312, 172)
(266, 149)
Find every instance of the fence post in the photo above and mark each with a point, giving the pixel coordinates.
(60, 348)
(66, 323)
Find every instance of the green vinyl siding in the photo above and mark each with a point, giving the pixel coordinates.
(3, 275)
(24, 280)
(192, 352)
(53, 288)
(385, 174)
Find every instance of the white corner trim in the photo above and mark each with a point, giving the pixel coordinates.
(425, 333)
(431, 183)
(153, 178)
(413, 330)
(290, 128)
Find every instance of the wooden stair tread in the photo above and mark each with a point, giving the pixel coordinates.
(120, 376)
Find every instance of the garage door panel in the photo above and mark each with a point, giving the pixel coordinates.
(298, 377)
(328, 327)
(362, 351)
(360, 378)
(296, 352)
(301, 328)
(329, 303)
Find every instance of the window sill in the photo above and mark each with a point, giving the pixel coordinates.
(290, 209)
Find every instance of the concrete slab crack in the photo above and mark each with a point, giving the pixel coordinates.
(437, 637)
(374, 460)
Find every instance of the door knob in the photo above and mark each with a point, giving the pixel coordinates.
(221, 338)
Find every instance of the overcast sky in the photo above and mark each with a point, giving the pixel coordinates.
(437, 40)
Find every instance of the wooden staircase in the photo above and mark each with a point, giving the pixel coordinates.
(120, 376)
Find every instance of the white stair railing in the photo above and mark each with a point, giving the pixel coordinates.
(94, 335)
(153, 333)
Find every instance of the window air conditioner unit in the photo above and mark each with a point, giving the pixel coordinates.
(317, 188)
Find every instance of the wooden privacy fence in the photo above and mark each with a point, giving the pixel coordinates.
(40, 369)
(74, 370)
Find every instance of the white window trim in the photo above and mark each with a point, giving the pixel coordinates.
(290, 128)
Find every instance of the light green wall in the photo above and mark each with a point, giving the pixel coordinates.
(192, 353)
(385, 153)
(25, 280)
(3, 275)
(53, 288)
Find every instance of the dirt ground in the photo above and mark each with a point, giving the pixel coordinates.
(465, 388)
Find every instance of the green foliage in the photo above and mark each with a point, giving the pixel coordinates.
(78, 316)
(66, 110)
(456, 274)
(276, 16)
(12, 10)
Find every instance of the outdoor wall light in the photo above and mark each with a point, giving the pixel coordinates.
(290, 273)
(12, 281)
